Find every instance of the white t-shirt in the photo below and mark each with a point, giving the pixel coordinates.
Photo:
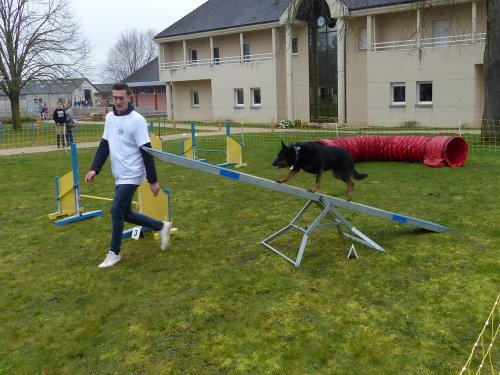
(125, 134)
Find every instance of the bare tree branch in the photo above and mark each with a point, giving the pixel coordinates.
(133, 50)
(39, 39)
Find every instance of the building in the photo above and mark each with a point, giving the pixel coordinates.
(147, 89)
(360, 61)
(52, 91)
(104, 98)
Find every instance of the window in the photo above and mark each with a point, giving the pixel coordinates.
(216, 56)
(440, 33)
(256, 98)
(398, 94)
(238, 98)
(195, 99)
(246, 52)
(193, 56)
(295, 46)
(362, 39)
(424, 93)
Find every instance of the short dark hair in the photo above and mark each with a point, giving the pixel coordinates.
(122, 86)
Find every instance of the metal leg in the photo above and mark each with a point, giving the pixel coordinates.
(337, 219)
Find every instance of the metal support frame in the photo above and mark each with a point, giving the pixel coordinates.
(336, 221)
(328, 205)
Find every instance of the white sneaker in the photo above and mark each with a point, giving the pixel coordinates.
(111, 260)
(165, 235)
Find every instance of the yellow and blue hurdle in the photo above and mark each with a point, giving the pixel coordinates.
(68, 196)
(234, 153)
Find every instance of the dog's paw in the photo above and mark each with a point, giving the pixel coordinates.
(279, 181)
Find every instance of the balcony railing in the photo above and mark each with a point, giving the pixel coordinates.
(247, 59)
(439, 42)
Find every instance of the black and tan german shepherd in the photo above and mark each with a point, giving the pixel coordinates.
(316, 158)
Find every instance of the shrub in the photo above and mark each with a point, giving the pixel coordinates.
(288, 124)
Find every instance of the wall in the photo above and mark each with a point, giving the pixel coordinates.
(157, 101)
(182, 101)
(455, 72)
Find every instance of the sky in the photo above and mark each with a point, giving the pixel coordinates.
(102, 21)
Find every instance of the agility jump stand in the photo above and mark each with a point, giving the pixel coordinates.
(68, 196)
(234, 153)
(328, 206)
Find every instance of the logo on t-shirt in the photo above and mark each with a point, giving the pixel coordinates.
(121, 131)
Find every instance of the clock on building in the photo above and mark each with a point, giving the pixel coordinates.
(321, 21)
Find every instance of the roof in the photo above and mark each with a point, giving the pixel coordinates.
(148, 72)
(53, 86)
(146, 84)
(224, 14)
(104, 87)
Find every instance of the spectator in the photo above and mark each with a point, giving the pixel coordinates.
(41, 109)
(59, 118)
(70, 123)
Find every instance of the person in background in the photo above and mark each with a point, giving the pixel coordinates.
(70, 123)
(59, 118)
(41, 109)
(125, 132)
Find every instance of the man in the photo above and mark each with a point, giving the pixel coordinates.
(59, 118)
(41, 109)
(125, 131)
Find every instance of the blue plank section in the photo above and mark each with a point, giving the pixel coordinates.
(83, 216)
(229, 174)
(399, 218)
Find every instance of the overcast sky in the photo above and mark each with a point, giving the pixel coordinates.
(103, 21)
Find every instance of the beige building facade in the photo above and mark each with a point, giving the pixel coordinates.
(420, 65)
(246, 81)
(404, 63)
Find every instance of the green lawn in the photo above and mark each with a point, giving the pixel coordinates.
(218, 302)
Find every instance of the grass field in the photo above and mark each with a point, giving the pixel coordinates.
(218, 302)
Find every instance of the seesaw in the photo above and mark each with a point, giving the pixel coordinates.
(328, 205)
(233, 151)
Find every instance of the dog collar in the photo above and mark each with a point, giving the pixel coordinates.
(297, 149)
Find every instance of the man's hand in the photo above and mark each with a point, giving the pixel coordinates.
(155, 188)
(90, 176)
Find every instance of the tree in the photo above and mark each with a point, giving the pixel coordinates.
(39, 39)
(133, 50)
(491, 119)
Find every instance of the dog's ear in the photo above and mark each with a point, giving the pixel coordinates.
(283, 145)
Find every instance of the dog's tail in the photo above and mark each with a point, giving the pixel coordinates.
(358, 176)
